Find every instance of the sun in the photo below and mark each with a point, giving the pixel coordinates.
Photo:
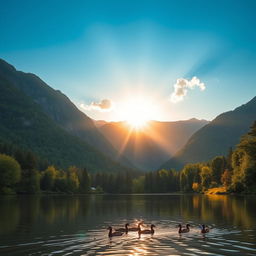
(137, 112)
(135, 121)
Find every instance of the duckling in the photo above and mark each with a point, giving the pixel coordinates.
(116, 233)
(204, 229)
(184, 230)
(146, 231)
(125, 229)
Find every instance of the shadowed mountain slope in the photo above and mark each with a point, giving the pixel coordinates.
(147, 148)
(215, 138)
(59, 108)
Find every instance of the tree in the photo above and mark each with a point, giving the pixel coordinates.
(84, 180)
(244, 163)
(10, 173)
(189, 175)
(72, 179)
(127, 183)
(173, 181)
(33, 182)
(19, 155)
(163, 181)
(148, 182)
(30, 182)
(138, 184)
(48, 178)
(252, 131)
(60, 183)
(226, 178)
(229, 159)
(206, 177)
(30, 160)
(218, 165)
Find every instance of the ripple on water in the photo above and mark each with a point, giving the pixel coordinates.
(165, 241)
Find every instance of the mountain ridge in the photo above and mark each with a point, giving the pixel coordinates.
(215, 138)
(149, 147)
(60, 108)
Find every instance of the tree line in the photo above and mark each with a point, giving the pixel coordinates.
(236, 172)
(23, 172)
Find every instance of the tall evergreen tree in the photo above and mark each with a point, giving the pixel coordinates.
(85, 182)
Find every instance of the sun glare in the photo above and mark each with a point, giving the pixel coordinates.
(137, 112)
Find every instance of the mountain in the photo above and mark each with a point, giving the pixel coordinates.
(215, 138)
(59, 108)
(99, 123)
(154, 144)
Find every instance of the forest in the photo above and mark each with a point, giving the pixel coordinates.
(22, 172)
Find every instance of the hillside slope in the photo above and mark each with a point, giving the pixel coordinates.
(154, 144)
(24, 124)
(215, 138)
(59, 108)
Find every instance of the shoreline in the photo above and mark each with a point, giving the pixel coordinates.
(206, 193)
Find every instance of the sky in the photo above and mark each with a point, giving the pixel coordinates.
(169, 60)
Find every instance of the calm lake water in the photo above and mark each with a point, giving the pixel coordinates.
(76, 225)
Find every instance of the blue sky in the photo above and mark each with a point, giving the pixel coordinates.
(116, 50)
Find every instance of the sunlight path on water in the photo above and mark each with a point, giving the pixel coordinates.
(78, 226)
(165, 241)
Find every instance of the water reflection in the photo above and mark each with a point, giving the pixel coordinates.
(26, 210)
(77, 224)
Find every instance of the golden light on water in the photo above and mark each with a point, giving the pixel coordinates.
(139, 251)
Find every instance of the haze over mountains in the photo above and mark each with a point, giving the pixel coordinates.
(39, 118)
(36, 117)
(216, 138)
(151, 146)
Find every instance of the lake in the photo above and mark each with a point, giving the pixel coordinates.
(77, 225)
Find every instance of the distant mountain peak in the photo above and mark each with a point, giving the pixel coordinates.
(193, 119)
(149, 147)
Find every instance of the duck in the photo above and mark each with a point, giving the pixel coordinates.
(204, 229)
(147, 231)
(134, 228)
(125, 229)
(116, 233)
(184, 230)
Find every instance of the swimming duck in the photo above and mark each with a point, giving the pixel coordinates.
(134, 228)
(204, 229)
(125, 229)
(146, 231)
(184, 230)
(116, 233)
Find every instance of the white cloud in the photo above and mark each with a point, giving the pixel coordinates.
(104, 105)
(182, 85)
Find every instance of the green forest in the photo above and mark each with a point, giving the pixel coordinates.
(22, 172)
